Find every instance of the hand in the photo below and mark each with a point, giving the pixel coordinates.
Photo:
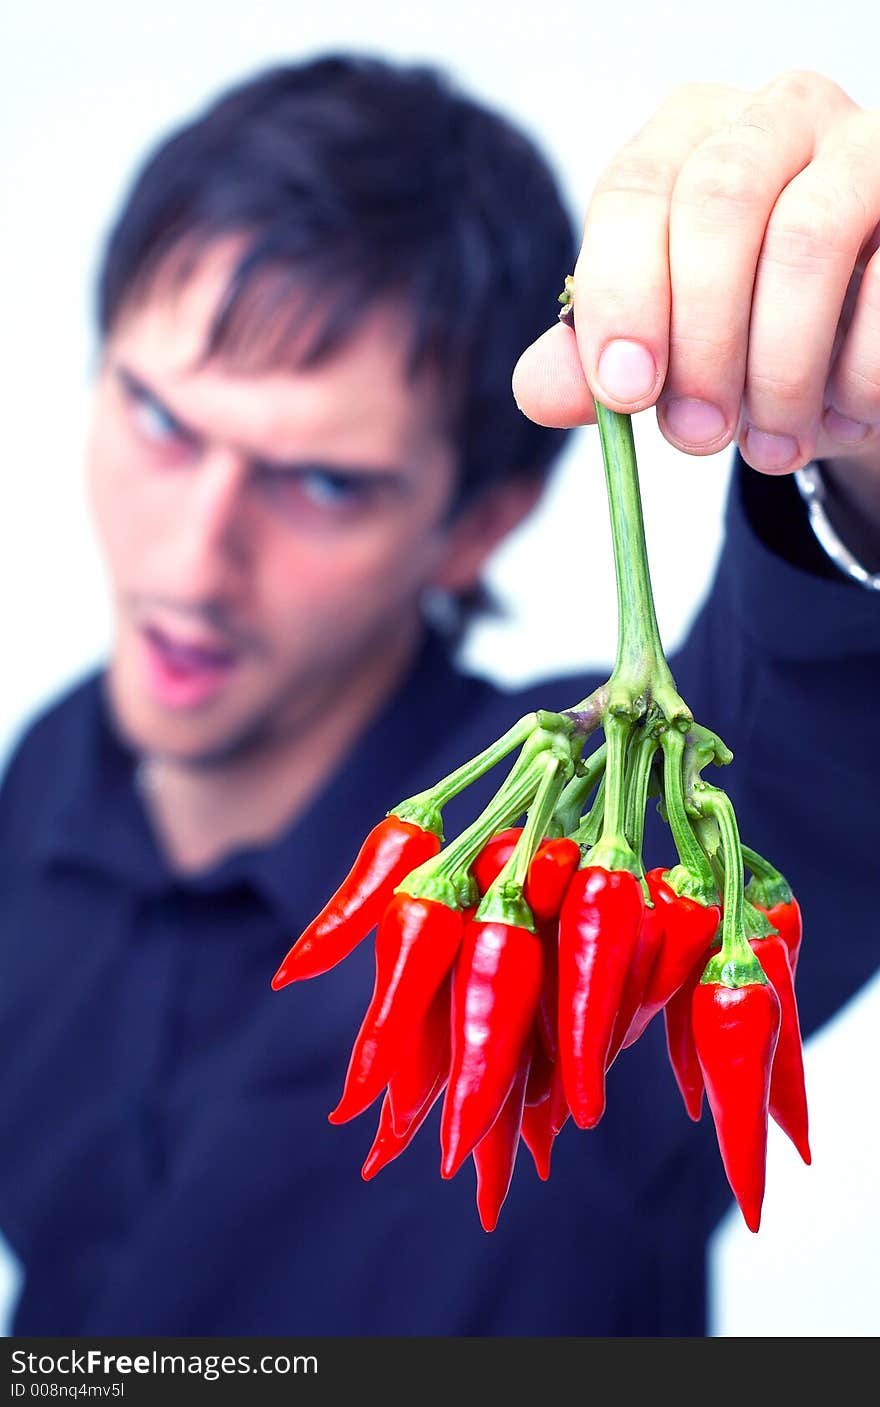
(729, 274)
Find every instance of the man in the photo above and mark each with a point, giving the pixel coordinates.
(310, 308)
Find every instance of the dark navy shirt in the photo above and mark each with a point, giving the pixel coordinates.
(168, 1167)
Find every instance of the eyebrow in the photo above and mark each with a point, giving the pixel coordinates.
(382, 476)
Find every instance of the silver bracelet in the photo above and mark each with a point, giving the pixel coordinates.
(813, 491)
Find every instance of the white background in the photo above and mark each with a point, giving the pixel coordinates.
(87, 88)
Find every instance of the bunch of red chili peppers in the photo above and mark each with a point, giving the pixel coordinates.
(516, 962)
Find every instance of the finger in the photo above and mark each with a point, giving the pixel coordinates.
(719, 210)
(621, 278)
(852, 411)
(549, 385)
(813, 238)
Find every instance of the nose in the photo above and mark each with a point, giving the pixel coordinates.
(211, 535)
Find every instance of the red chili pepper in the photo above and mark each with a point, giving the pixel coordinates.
(769, 891)
(540, 1075)
(680, 1040)
(390, 852)
(388, 1145)
(415, 948)
(548, 1002)
(557, 1103)
(494, 856)
(736, 1030)
(538, 1136)
(599, 927)
(543, 1121)
(688, 929)
(551, 868)
(426, 1059)
(787, 919)
(788, 1095)
(548, 877)
(495, 1154)
(495, 990)
(550, 873)
(642, 962)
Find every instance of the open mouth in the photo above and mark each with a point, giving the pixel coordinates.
(181, 673)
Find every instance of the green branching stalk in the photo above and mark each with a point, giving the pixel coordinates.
(652, 745)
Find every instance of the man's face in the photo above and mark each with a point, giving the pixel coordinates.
(267, 534)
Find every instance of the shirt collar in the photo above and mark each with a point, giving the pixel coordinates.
(98, 820)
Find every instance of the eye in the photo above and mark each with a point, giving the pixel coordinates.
(324, 487)
(154, 426)
(314, 493)
(153, 422)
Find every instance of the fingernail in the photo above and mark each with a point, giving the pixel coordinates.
(840, 427)
(627, 371)
(765, 451)
(693, 421)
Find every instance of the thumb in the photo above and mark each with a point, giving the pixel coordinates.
(549, 385)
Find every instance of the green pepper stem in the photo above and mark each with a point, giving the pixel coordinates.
(639, 634)
(587, 715)
(757, 924)
(590, 828)
(449, 871)
(690, 852)
(736, 965)
(617, 734)
(641, 756)
(574, 794)
(758, 865)
(613, 851)
(641, 671)
(703, 748)
(503, 901)
(430, 802)
(768, 886)
(540, 813)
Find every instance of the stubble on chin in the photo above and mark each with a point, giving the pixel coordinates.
(195, 743)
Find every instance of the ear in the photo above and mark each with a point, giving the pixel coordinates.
(480, 528)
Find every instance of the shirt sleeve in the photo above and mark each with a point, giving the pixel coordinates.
(783, 660)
